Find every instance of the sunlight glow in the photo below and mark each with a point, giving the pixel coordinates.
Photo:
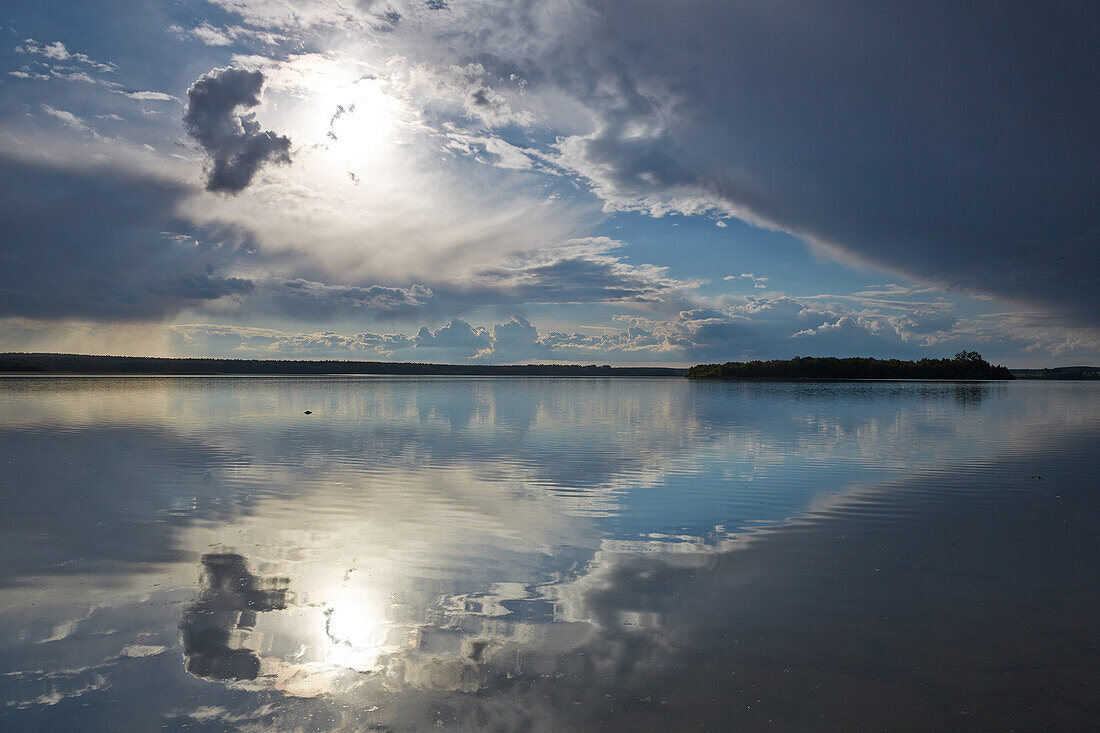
(356, 630)
(361, 131)
(337, 111)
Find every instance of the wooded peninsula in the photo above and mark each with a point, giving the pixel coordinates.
(965, 365)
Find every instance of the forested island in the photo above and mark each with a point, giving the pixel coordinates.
(965, 365)
(82, 364)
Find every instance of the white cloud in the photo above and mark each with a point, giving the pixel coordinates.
(302, 14)
(154, 96)
(57, 51)
(489, 149)
(20, 74)
(758, 282)
(69, 119)
(211, 35)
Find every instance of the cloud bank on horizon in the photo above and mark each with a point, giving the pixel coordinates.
(553, 181)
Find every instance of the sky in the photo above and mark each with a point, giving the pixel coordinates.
(592, 181)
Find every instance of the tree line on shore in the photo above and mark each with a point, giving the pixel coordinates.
(965, 365)
(84, 364)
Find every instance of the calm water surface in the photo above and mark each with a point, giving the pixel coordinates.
(547, 554)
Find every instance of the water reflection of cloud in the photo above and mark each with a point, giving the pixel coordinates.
(229, 599)
(688, 634)
(516, 542)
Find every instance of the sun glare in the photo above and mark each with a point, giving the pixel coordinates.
(356, 631)
(338, 112)
(362, 129)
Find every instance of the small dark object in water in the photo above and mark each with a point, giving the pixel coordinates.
(309, 412)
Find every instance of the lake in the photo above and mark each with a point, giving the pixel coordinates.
(547, 554)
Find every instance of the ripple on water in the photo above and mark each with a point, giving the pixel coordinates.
(541, 553)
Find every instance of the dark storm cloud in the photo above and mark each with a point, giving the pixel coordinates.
(306, 298)
(586, 270)
(234, 143)
(954, 142)
(577, 279)
(192, 286)
(104, 246)
(100, 245)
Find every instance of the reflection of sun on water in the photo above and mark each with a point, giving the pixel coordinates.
(356, 630)
(307, 651)
(386, 586)
(307, 630)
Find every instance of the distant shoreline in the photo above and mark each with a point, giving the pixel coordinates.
(79, 364)
(864, 370)
(1090, 373)
(791, 370)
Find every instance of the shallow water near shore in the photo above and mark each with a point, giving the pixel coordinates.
(547, 554)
